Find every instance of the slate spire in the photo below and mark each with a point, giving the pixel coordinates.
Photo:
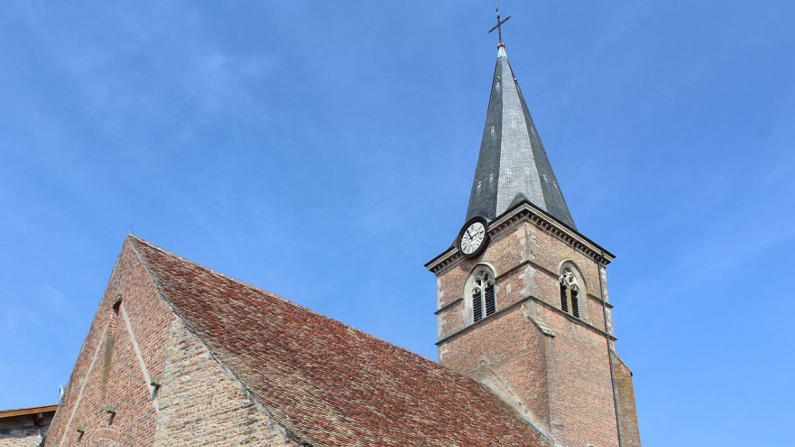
(512, 165)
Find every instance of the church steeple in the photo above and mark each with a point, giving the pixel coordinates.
(513, 166)
(522, 302)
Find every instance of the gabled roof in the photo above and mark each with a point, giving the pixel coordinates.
(327, 383)
(512, 161)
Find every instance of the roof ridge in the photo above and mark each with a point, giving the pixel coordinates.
(285, 300)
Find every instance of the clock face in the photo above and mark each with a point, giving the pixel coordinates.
(473, 237)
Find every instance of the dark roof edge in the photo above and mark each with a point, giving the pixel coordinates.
(545, 215)
(273, 295)
(518, 204)
(26, 411)
(436, 258)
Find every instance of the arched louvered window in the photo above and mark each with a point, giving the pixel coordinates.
(569, 292)
(575, 304)
(482, 293)
(564, 296)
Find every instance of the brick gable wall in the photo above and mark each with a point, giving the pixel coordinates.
(108, 370)
(198, 403)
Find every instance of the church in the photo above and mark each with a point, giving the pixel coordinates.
(181, 355)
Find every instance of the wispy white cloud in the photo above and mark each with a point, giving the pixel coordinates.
(56, 296)
(18, 317)
(712, 259)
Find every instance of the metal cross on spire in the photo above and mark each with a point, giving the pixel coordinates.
(499, 25)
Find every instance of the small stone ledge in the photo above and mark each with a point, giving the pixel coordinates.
(449, 305)
(594, 297)
(576, 320)
(541, 325)
(517, 303)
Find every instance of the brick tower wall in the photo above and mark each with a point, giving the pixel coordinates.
(556, 365)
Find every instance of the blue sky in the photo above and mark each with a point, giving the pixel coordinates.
(325, 151)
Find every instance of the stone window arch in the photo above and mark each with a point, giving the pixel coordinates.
(480, 294)
(573, 292)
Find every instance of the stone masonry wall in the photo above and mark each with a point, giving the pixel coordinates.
(24, 430)
(202, 404)
(26, 441)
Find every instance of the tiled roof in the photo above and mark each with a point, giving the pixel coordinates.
(327, 383)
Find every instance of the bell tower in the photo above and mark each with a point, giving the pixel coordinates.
(522, 302)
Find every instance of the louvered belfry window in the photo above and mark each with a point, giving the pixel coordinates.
(483, 300)
(488, 296)
(569, 293)
(575, 305)
(564, 296)
(477, 304)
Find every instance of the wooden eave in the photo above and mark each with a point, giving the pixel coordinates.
(28, 411)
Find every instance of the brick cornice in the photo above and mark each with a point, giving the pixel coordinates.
(526, 212)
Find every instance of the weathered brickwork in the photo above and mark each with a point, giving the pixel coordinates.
(630, 435)
(583, 402)
(108, 374)
(482, 353)
(527, 262)
(556, 366)
(136, 340)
